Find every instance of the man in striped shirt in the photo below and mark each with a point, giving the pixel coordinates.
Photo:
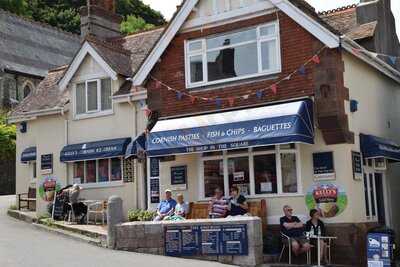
(218, 206)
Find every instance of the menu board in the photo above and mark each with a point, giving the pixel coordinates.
(154, 190)
(324, 168)
(46, 164)
(357, 165)
(58, 208)
(206, 240)
(154, 167)
(178, 175)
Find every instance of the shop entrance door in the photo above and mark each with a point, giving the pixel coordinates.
(375, 196)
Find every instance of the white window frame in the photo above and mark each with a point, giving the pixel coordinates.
(97, 183)
(203, 52)
(250, 154)
(92, 113)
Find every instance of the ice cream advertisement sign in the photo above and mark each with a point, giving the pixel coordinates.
(48, 188)
(328, 198)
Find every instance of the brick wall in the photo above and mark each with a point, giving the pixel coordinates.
(297, 46)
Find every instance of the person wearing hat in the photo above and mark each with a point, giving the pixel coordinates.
(166, 206)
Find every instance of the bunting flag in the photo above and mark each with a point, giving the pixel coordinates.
(231, 100)
(393, 60)
(302, 70)
(142, 103)
(147, 112)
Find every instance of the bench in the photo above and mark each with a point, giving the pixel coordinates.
(256, 208)
(27, 198)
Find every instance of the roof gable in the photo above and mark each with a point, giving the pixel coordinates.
(310, 24)
(86, 49)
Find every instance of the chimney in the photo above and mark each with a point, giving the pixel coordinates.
(385, 39)
(99, 19)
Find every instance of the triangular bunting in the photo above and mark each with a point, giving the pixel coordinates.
(158, 84)
(245, 97)
(393, 59)
(302, 70)
(356, 51)
(274, 89)
(179, 95)
(147, 112)
(218, 102)
(231, 101)
(316, 59)
(259, 94)
(192, 99)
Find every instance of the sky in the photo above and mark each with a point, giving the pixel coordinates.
(168, 7)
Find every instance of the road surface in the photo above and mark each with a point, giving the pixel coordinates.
(22, 245)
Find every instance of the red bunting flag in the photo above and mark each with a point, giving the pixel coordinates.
(356, 51)
(274, 89)
(147, 112)
(158, 84)
(316, 59)
(192, 99)
(231, 101)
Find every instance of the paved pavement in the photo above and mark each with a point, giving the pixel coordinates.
(22, 245)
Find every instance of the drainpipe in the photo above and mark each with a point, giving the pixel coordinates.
(66, 141)
(135, 133)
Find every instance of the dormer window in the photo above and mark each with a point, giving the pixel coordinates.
(93, 97)
(233, 56)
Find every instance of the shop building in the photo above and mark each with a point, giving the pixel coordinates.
(282, 102)
(83, 118)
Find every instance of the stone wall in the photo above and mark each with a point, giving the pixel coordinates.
(148, 237)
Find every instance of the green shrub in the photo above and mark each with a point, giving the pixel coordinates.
(141, 215)
(13, 207)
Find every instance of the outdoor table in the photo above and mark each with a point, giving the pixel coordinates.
(318, 238)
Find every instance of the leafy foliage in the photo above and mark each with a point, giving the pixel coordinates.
(141, 215)
(7, 139)
(64, 14)
(134, 24)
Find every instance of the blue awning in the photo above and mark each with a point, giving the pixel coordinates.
(377, 147)
(136, 146)
(28, 154)
(95, 150)
(275, 124)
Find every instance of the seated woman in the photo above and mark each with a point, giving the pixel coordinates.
(237, 203)
(316, 227)
(80, 209)
(181, 210)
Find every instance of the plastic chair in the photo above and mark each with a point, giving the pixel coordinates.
(97, 208)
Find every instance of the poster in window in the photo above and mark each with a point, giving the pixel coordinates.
(46, 164)
(154, 167)
(328, 198)
(48, 187)
(179, 177)
(324, 168)
(357, 165)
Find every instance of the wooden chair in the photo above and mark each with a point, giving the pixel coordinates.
(28, 198)
(97, 208)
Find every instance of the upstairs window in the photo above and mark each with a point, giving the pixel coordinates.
(233, 56)
(93, 96)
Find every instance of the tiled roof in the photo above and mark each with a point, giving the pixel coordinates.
(124, 55)
(33, 48)
(46, 96)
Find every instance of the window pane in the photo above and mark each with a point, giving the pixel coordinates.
(116, 172)
(289, 173)
(268, 55)
(80, 98)
(213, 176)
(106, 94)
(238, 170)
(103, 170)
(232, 62)
(91, 171)
(265, 174)
(371, 193)
(368, 213)
(288, 146)
(195, 46)
(231, 39)
(196, 69)
(79, 172)
(263, 148)
(267, 30)
(92, 95)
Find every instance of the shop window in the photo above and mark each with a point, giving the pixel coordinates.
(270, 170)
(116, 171)
(98, 171)
(233, 56)
(213, 176)
(91, 171)
(238, 173)
(265, 177)
(93, 97)
(289, 173)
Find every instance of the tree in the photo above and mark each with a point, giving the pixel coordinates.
(7, 139)
(134, 24)
(64, 14)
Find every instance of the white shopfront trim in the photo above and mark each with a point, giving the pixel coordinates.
(225, 157)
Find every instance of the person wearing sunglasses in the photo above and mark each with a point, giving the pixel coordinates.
(292, 227)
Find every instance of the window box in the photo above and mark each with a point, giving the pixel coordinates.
(244, 54)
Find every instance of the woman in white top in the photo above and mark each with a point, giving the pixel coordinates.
(181, 210)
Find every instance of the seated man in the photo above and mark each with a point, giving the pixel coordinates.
(292, 227)
(166, 206)
(218, 206)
